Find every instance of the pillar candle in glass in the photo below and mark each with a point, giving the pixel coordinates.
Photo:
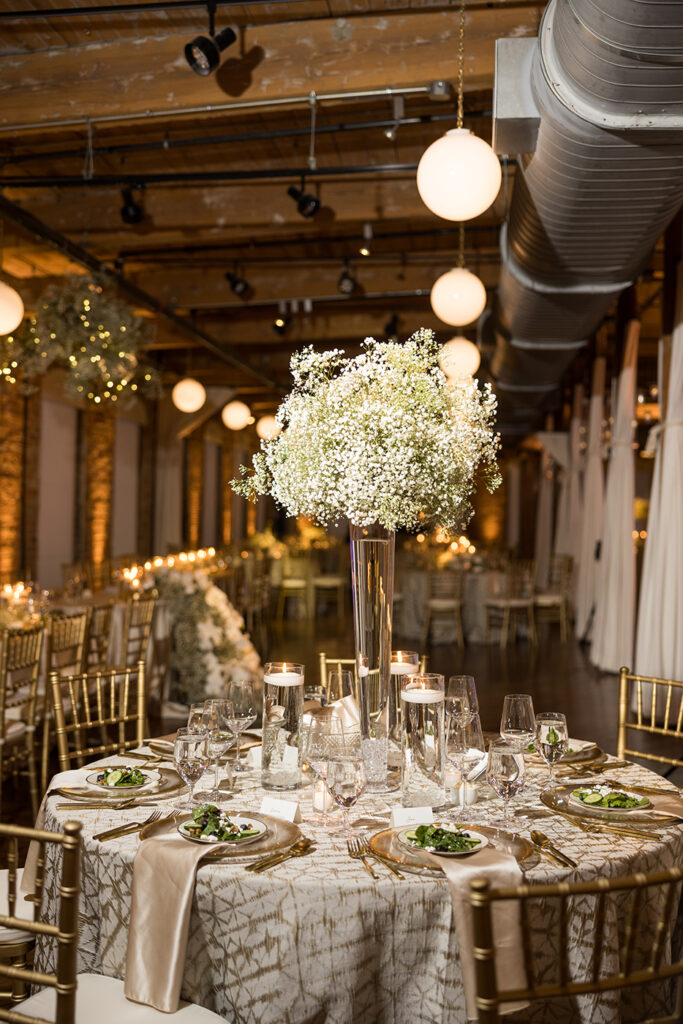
(422, 742)
(403, 663)
(283, 705)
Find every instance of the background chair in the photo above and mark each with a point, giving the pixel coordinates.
(97, 641)
(111, 703)
(645, 923)
(296, 582)
(328, 665)
(650, 707)
(553, 604)
(137, 626)
(332, 575)
(20, 656)
(515, 602)
(444, 599)
(65, 654)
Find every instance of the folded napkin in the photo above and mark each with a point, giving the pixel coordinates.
(164, 875)
(345, 709)
(665, 804)
(501, 870)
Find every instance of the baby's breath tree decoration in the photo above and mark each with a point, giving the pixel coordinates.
(383, 438)
(29, 350)
(99, 336)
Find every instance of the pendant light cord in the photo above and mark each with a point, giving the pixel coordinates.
(461, 245)
(461, 64)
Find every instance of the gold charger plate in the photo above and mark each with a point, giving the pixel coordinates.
(387, 846)
(280, 834)
(169, 784)
(559, 799)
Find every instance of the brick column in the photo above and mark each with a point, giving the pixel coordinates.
(98, 461)
(194, 482)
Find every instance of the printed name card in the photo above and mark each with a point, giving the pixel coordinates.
(254, 757)
(402, 816)
(287, 810)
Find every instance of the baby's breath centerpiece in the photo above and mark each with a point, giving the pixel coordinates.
(380, 438)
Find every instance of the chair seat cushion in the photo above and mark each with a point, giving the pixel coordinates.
(510, 602)
(100, 1000)
(293, 583)
(329, 581)
(22, 909)
(443, 604)
(548, 600)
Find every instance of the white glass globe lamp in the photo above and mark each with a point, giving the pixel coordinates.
(459, 357)
(236, 415)
(268, 428)
(458, 297)
(11, 308)
(188, 395)
(458, 176)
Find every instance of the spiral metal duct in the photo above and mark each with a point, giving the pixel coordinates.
(605, 179)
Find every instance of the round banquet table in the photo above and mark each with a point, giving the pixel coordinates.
(316, 940)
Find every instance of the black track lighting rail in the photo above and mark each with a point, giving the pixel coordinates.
(38, 229)
(92, 10)
(199, 177)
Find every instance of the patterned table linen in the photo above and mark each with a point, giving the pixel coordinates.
(317, 941)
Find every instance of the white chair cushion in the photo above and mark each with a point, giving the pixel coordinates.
(443, 604)
(22, 909)
(548, 600)
(101, 1000)
(510, 602)
(329, 581)
(293, 583)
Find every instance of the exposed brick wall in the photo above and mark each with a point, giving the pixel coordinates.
(227, 473)
(11, 481)
(99, 426)
(29, 568)
(147, 480)
(194, 482)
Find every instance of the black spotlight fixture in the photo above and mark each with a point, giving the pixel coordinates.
(346, 284)
(238, 285)
(203, 54)
(131, 211)
(306, 203)
(281, 323)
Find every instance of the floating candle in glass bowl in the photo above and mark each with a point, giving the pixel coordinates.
(422, 741)
(404, 663)
(283, 705)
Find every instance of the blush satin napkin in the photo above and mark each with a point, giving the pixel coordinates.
(501, 870)
(164, 875)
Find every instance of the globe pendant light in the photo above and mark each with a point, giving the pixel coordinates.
(459, 358)
(458, 176)
(188, 395)
(458, 297)
(268, 428)
(11, 309)
(236, 415)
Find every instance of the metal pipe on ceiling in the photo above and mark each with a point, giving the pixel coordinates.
(92, 10)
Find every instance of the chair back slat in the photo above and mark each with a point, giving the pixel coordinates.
(658, 723)
(136, 629)
(599, 932)
(445, 584)
(97, 644)
(660, 927)
(66, 635)
(526, 942)
(631, 931)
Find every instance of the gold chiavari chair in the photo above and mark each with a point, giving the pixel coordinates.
(106, 702)
(66, 653)
(331, 575)
(444, 598)
(554, 603)
(297, 581)
(649, 706)
(20, 654)
(137, 626)
(637, 966)
(516, 600)
(73, 577)
(13, 966)
(97, 642)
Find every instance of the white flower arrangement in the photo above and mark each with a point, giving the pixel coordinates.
(380, 438)
(210, 647)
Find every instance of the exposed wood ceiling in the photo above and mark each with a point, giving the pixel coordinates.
(216, 170)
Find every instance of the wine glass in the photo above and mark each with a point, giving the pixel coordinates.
(241, 694)
(218, 714)
(505, 773)
(195, 717)
(466, 750)
(346, 780)
(323, 739)
(339, 684)
(551, 739)
(191, 757)
(461, 699)
(517, 722)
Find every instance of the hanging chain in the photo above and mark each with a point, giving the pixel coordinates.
(461, 64)
(312, 99)
(461, 245)
(89, 162)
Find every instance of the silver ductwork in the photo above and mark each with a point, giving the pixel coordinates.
(603, 182)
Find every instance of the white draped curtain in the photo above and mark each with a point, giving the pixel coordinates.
(616, 590)
(544, 520)
(659, 633)
(593, 508)
(575, 501)
(556, 443)
(513, 491)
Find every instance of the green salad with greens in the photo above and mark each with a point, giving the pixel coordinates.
(603, 796)
(209, 822)
(433, 837)
(121, 777)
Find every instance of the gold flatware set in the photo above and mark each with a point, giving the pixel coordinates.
(300, 849)
(128, 828)
(541, 840)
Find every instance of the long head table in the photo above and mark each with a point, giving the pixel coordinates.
(317, 941)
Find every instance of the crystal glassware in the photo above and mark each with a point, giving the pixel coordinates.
(422, 746)
(196, 715)
(403, 663)
(283, 705)
(339, 684)
(518, 722)
(218, 714)
(191, 758)
(322, 740)
(505, 773)
(551, 739)
(346, 780)
(241, 695)
(466, 751)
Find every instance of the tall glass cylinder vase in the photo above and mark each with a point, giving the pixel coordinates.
(422, 749)
(372, 579)
(283, 705)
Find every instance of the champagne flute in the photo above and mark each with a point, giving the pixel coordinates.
(517, 722)
(241, 694)
(346, 779)
(505, 773)
(218, 714)
(551, 739)
(191, 757)
(323, 739)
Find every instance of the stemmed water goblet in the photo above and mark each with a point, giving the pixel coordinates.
(196, 716)
(466, 750)
(191, 758)
(517, 722)
(551, 739)
(321, 741)
(346, 779)
(218, 714)
(339, 684)
(462, 705)
(505, 773)
(241, 695)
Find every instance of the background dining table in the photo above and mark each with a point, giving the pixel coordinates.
(316, 940)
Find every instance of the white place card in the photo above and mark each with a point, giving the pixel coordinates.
(253, 758)
(287, 810)
(402, 816)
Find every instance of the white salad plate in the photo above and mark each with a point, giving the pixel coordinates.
(471, 834)
(151, 778)
(624, 810)
(236, 819)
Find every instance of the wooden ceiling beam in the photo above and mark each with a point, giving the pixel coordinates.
(270, 62)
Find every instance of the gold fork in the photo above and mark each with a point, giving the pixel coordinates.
(365, 847)
(356, 852)
(128, 829)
